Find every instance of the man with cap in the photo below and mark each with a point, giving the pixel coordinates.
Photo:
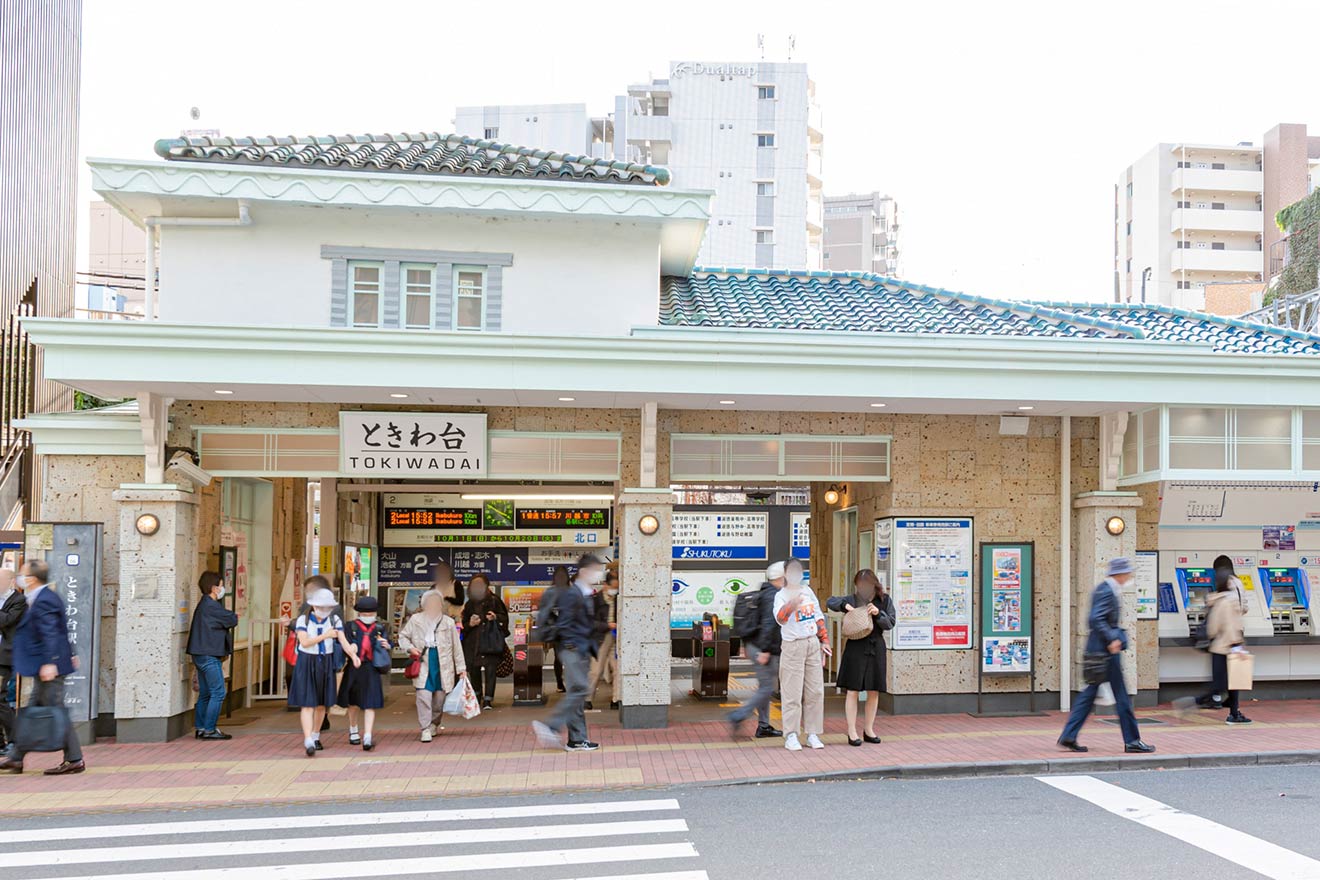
(1107, 637)
(566, 619)
(762, 647)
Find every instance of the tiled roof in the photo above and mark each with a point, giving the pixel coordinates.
(862, 302)
(412, 153)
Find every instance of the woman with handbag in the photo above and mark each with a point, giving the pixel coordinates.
(361, 687)
(485, 627)
(1224, 629)
(867, 613)
(431, 640)
(313, 687)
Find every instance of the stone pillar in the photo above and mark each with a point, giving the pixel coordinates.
(1093, 547)
(158, 585)
(645, 587)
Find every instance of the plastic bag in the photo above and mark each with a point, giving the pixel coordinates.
(471, 708)
(454, 700)
(1104, 696)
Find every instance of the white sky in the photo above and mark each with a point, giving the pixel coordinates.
(1000, 127)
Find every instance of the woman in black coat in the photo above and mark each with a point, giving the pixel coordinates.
(863, 665)
(485, 627)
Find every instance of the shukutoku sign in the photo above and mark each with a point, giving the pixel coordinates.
(394, 444)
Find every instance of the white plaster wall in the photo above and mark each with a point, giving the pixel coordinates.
(569, 275)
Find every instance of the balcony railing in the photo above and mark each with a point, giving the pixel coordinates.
(1217, 219)
(1218, 179)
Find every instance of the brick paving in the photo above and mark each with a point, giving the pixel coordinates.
(498, 755)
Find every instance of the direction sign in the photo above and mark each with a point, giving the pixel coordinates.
(506, 565)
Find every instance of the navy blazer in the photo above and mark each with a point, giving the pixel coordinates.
(1105, 607)
(10, 614)
(43, 636)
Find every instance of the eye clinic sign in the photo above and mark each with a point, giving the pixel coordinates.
(398, 444)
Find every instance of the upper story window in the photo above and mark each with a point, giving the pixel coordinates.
(765, 140)
(765, 188)
(765, 93)
(418, 296)
(765, 236)
(491, 132)
(469, 298)
(365, 294)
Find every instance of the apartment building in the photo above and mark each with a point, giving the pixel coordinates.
(116, 263)
(749, 132)
(1188, 215)
(861, 234)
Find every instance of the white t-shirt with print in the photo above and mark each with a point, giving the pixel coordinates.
(802, 625)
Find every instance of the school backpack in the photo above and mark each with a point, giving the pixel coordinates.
(747, 614)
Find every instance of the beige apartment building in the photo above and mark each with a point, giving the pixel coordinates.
(861, 234)
(1190, 217)
(116, 258)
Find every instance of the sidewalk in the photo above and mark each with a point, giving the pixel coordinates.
(494, 758)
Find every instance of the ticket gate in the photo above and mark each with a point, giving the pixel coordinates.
(710, 671)
(1288, 597)
(528, 666)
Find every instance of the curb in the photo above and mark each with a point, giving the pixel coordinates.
(1040, 767)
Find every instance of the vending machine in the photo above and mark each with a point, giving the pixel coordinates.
(1288, 597)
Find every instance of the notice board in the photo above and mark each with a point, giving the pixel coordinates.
(931, 565)
(1008, 573)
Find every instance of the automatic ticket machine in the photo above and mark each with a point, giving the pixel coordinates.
(1288, 598)
(1185, 589)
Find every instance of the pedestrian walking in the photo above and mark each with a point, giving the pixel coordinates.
(451, 589)
(606, 664)
(762, 646)
(559, 580)
(431, 640)
(12, 608)
(42, 652)
(210, 641)
(806, 644)
(1104, 647)
(862, 667)
(1224, 627)
(485, 628)
(567, 621)
(313, 690)
(361, 689)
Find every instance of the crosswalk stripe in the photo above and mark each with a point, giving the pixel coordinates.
(435, 865)
(1228, 843)
(332, 820)
(669, 875)
(286, 845)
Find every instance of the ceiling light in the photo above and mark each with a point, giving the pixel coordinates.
(398, 396)
(728, 402)
(1025, 408)
(223, 391)
(515, 497)
(878, 404)
(567, 399)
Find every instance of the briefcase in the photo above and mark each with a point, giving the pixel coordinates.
(1241, 667)
(41, 728)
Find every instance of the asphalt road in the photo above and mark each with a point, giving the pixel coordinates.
(1157, 824)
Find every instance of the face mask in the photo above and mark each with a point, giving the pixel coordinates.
(220, 593)
(367, 619)
(322, 612)
(611, 592)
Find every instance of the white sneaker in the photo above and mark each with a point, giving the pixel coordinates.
(545, 737)
(426, 734)
(791, 743)
(814, 741)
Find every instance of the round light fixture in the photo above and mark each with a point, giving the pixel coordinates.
(1115, 525)
(648, 525)
(833, 494)
(147, 524)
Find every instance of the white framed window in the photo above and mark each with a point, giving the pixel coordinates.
(765, 93)
(365, 293)
(469, 298)
(765, 140)
(765, 236)
(418, 295)
(765, 188)
(491, 132)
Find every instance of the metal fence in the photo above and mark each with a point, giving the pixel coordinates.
(266, 669)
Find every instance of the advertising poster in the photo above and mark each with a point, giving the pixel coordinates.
(932, 582)
(405, 601)
(1147, 584)
(1007, 575)
(700, 592)
(724, 536)
(1278, 537)
(357, 570)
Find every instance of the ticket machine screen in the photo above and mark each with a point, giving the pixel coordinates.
(1197, 584)
(1288, 594)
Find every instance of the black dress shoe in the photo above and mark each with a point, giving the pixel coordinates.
(1072, 745)
(854, 742)
(765, 731)
(871, 739)
(319, 747)
(11, 765)
(197, 734)
(1139, 747)
(216, 734)
(66, 768)
(367, 745)
(614, 704)
(310, 749)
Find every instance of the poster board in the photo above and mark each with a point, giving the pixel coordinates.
(1147, 582)
(1008, 574)
(721, 535)
(931, 572)
(696, 593)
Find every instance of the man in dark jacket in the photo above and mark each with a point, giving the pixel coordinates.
(42, 651)
(571, 614)
(210, 641)
(1109, 639)
(12, 606)
(763, 650)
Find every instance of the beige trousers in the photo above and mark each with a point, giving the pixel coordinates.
(802, 686)
(430, 707)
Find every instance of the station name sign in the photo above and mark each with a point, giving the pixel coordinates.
(396, 444)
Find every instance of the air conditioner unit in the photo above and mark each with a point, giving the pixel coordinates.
(1014, 426)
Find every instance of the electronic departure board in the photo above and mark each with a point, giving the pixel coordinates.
(563, 517)
(434, 518)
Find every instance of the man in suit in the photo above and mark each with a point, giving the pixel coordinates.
(1107, 637)
(210, 641)
(42, 652)
(12, 606)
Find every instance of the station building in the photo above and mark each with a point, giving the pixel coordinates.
(418, 345)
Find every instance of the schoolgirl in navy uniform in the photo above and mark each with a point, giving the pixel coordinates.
(361, 687)
(313, 687)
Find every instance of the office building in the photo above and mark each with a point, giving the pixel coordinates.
(749, 132)
(1189, 215)
(116, 260)
(861, 234)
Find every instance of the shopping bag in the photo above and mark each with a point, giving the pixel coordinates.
(1104, 695)
(454, 700)
(471, 708)
(1241, 667)
(41, 728)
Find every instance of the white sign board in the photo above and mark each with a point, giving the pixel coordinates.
(1147, 583)
(729, 536)
(932, 583)
(800, 538)
(395, 444)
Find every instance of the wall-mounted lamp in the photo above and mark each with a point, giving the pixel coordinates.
(1115, 525)
(147, 524)
(648, 525)
(834, 493)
